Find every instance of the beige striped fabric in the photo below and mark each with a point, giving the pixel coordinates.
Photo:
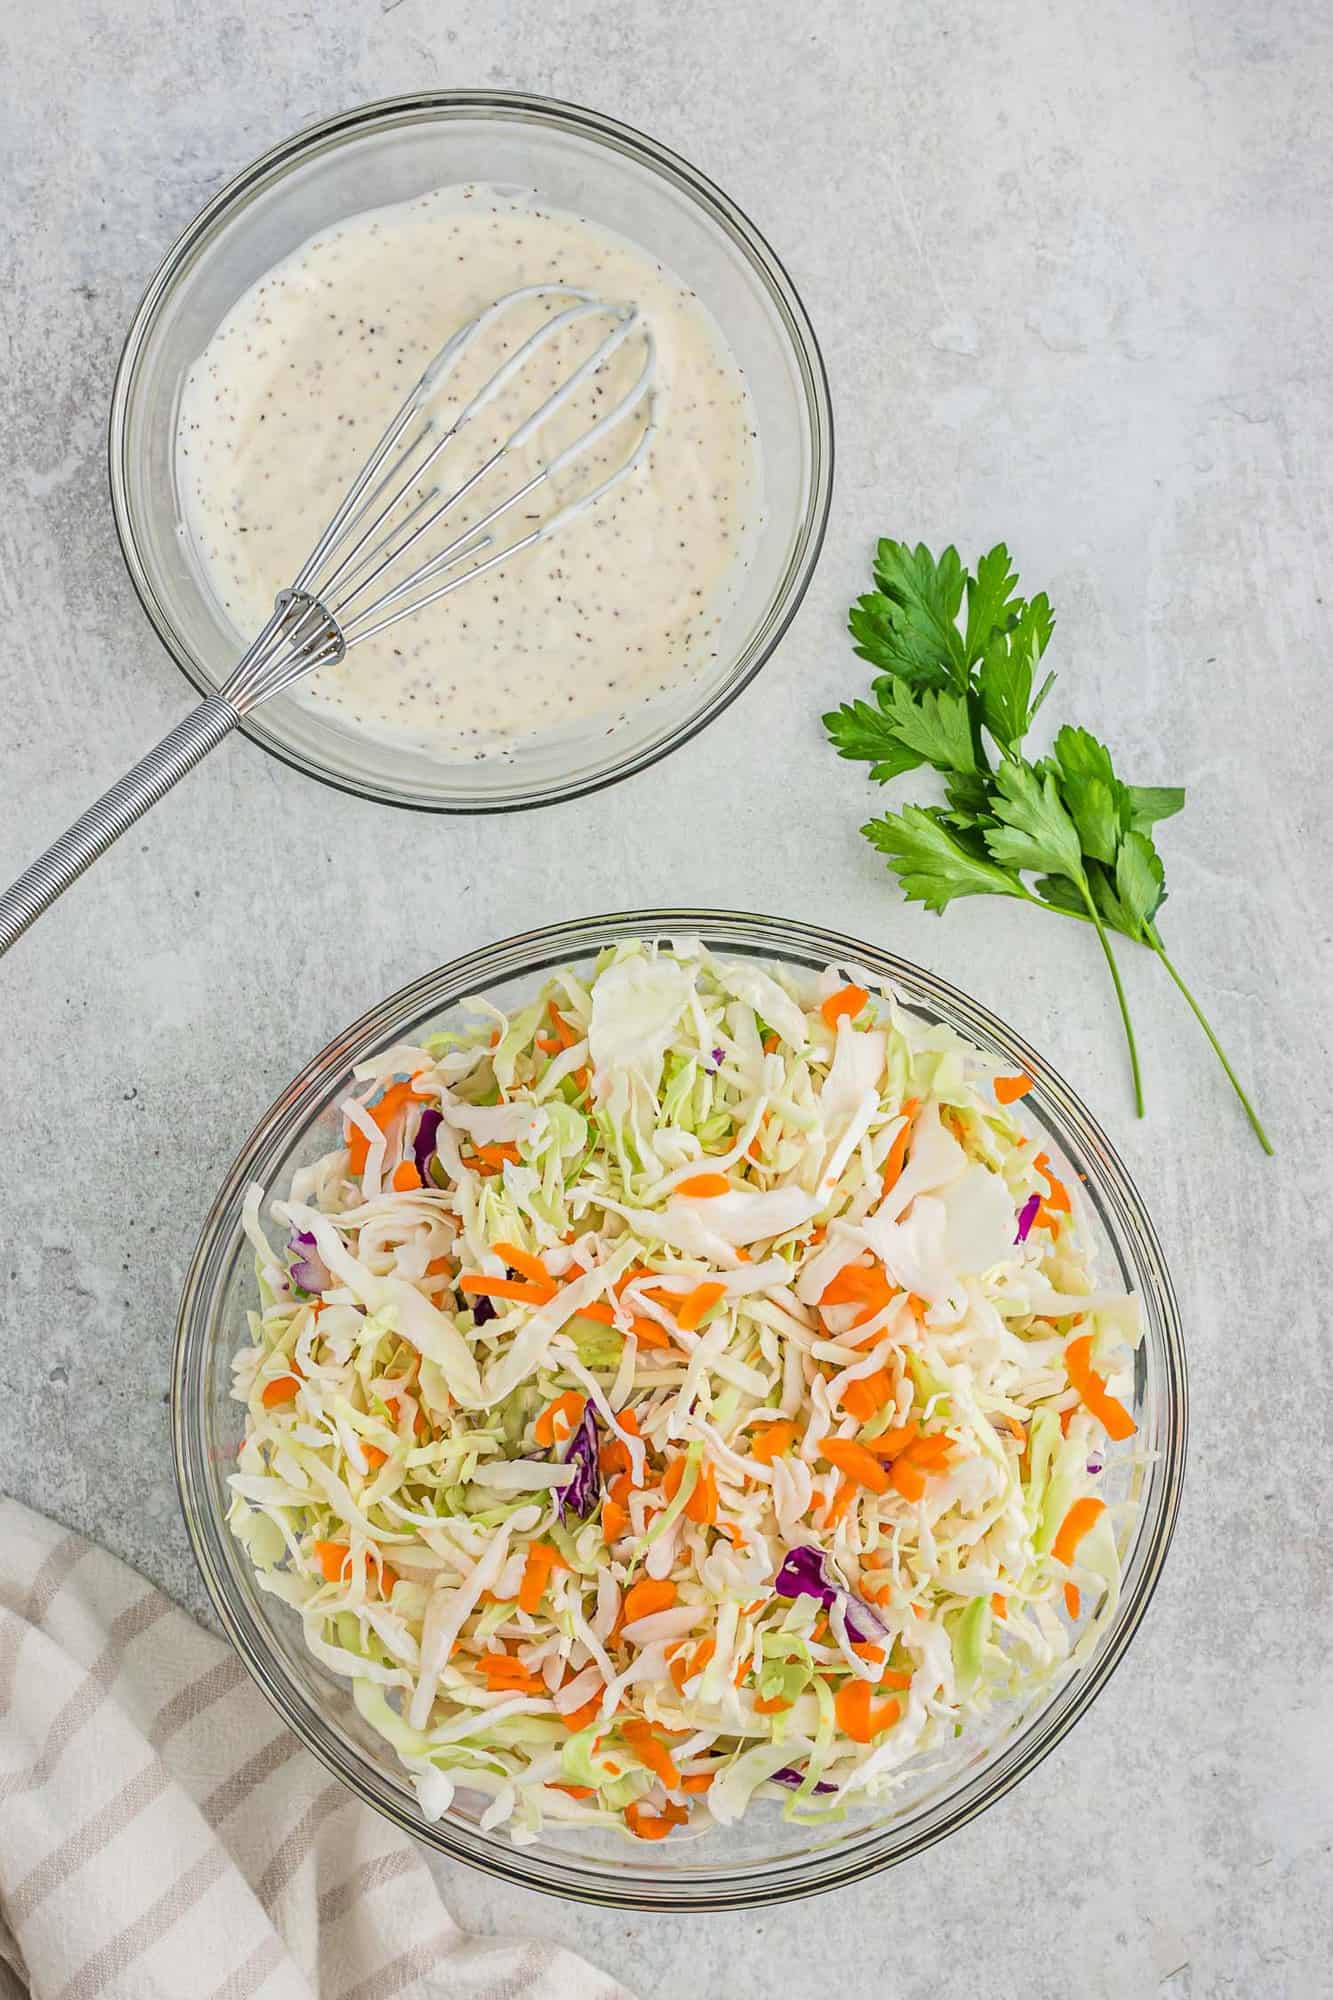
(161, 1834)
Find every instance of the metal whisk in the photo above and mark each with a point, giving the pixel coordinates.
(376, 561)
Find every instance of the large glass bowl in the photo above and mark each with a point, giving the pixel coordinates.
(391, 152)
(763, 1859)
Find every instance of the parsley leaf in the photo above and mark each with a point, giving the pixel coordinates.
(1037, 831)
(1149, 803)
(931, 863)
(939, 726)
(1140, 880)
(868, 735)
(923, 598)
(990, 601)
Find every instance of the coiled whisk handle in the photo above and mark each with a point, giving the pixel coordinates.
(90, 836)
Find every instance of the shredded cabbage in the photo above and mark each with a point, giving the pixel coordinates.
(660, 1401)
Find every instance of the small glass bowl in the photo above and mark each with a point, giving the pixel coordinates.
(763, 1858)
(392, 152)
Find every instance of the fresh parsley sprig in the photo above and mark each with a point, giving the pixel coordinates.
(957, 655)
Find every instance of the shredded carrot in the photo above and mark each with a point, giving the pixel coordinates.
(643, 1599)
(382, 1114)
(770, 1045)
(542, 1559)
(650, 1751)
(1008, 1089)
(579, 1718)
(405, 1177)
(848, 1001)
(932, 1454)
(896, 1159)
(500, 1156)
(696, 1303)
(501, 1670)
(896, 1680)
(855, 1462)
(1058, 1198)
(864, 1398)
(505, 1288)
(281, 1390)
(1073, 1601)
(375, 1458)
(1107, 1409)
(673, 1475)
(649, 1826)
(560, 1419)
(702, 1503)
(549, 1045)
(573, 1791)
(567, 1035)
(770, 1704)
(998, 1605)
(1083, 1515)
(891, 1444)
(524, 1263)
(852, 1285)
(703, 1187)
(773, 1440)
(840, 1503)
(438, 1267)
(864, 1650)
(907, 1479)
(855, 1715)
(698, 1781)
(1016, 1430)
(332, 1558)
(615, 1521)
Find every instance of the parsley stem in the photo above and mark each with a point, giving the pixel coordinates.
(1155, 944)
(1081, 884)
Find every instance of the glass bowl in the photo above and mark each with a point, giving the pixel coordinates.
(763, 1858)
(391, 152)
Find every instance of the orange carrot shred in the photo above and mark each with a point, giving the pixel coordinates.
(848, 1001)
(644, 1598)
(896, 1159)
(1083, 1515)
(696, 1303)
(405, 1177)
(281, 1390)
(1107, 1409)
(856, 1463)
(542, 1559)
(1008, 1089)
(1073, 1601)
(704, 1187)
(773, 1440)
(560, 1419)
(332, 1558)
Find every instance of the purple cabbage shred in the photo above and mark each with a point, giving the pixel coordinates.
(585, 1488)
(483, 1309)
(1027, 1215)
(308, 1269)
(788, 1776)
(807, 1572)
(423, 1146)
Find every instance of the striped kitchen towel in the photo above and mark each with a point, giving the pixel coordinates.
(161, 1833)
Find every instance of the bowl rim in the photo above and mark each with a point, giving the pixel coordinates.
(564, 115)
(1014, 1757)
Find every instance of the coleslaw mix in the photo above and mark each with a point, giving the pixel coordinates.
(687, 1387)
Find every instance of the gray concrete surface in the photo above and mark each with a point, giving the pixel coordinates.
(1069, 262)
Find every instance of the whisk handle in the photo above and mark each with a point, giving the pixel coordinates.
(91, 835)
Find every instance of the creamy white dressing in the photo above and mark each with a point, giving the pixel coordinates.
(624, 603)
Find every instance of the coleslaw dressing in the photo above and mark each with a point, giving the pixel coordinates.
(299, 381)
